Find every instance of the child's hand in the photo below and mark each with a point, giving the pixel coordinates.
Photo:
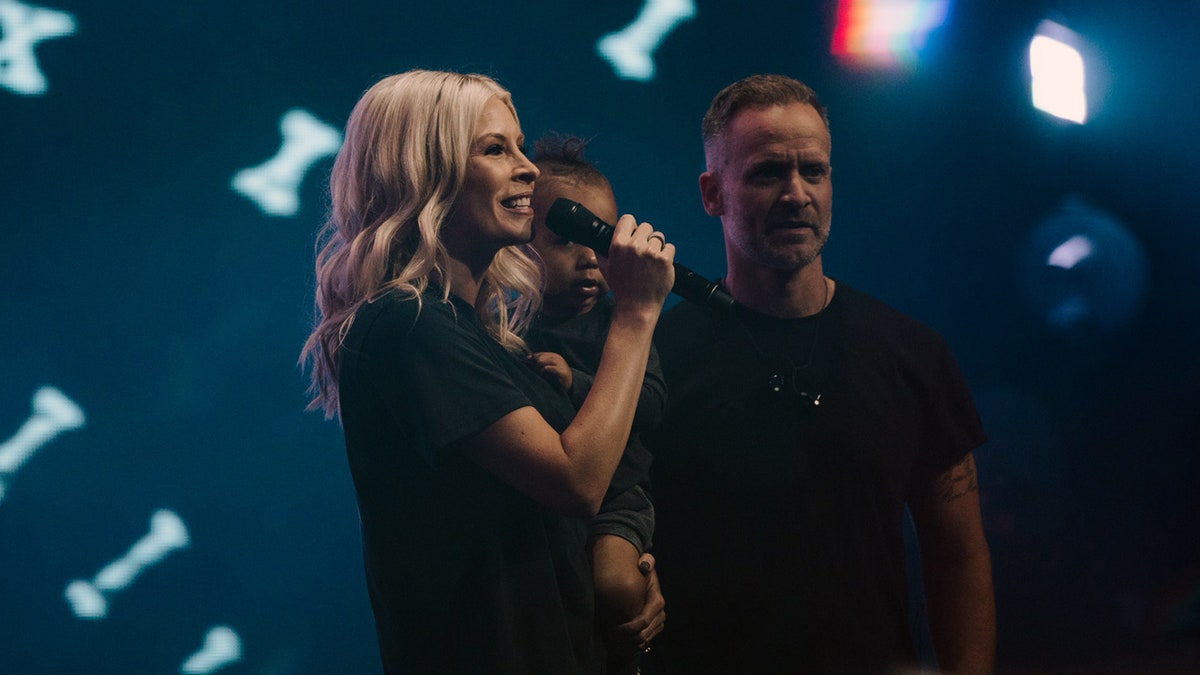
(553, 367)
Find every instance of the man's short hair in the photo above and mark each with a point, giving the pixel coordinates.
(756, 91)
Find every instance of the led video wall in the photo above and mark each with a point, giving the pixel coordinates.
(166, 505)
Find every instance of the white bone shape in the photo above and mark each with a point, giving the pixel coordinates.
(275, 184)
(222, 647)
(22, 27)
(53, 413)
(167, 533)
(630, 51)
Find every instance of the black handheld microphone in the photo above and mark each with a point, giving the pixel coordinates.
(573, 221)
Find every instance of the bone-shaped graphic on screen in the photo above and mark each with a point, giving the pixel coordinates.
(631, 50)
(167, 533)
(53, 413)
(222, 647)
(21, 27)
(275, 184)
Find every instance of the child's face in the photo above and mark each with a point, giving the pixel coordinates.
(573, 279)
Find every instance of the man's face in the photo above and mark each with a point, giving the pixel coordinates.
(769, 180)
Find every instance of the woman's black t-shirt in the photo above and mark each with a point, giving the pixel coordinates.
(466, 574)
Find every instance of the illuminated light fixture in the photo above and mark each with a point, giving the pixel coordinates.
(885, 32)
(1057, 70)
(1083, 270)
(1071, 252)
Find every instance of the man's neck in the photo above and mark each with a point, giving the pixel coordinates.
(781, 293)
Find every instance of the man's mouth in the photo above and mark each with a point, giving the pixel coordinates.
(792, 225)
(792, 228)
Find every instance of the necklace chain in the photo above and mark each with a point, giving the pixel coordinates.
(776, 381)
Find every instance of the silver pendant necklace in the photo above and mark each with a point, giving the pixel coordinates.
(778, 380)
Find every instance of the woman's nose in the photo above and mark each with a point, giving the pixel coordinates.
(527, 171)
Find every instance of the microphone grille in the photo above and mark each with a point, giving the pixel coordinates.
(572, 220)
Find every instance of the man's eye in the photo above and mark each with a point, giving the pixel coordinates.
(816, 171)
(765, 173)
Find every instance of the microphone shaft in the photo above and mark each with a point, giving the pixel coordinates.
(573, 221)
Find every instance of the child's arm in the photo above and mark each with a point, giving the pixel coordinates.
(620, 585)
(629, 605)
(653, 617)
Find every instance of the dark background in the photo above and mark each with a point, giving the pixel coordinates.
(172, 309)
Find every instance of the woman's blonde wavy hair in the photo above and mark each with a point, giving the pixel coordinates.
(393, 185)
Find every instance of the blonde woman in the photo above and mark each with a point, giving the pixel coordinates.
(474, 476)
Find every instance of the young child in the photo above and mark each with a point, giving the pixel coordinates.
(567, 339)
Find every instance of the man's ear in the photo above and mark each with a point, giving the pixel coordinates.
(710, 194)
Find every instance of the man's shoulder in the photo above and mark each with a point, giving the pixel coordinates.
(685, 322)
(864, 306)
(873, 321)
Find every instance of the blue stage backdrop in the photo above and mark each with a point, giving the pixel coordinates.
(166, 505)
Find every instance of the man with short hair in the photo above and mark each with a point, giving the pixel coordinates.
(799, 427)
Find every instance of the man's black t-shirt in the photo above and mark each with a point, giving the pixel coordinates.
(782, 466)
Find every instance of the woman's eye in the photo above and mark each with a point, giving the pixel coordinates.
(495, 149)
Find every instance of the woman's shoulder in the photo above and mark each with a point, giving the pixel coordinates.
(397, 314)
(390, 308)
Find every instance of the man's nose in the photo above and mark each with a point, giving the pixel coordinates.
(795, 191)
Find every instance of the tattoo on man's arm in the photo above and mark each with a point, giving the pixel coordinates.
(957, 482)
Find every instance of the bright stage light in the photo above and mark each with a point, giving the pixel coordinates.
(1058, 73)
(885, 32)
(1083, 270)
